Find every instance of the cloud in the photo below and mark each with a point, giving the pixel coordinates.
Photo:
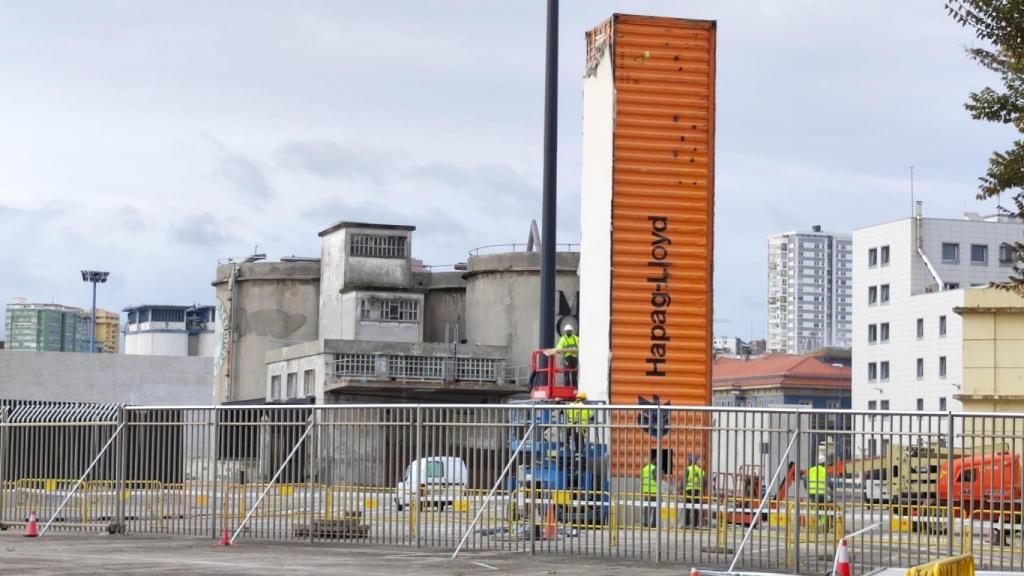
(331, 159)
(203, 230)
(246, 177)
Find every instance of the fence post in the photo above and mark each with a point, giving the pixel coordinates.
(533, 479)
(211, 474)
(415, 512)
(796, 491)
(121, 467)
(315, 476)
(657, 487)
(949, 482)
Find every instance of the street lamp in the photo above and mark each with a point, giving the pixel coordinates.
(839, 371)
(95, 277)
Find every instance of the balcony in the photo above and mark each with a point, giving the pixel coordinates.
(420, 365)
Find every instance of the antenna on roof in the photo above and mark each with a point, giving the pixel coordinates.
(911, 190)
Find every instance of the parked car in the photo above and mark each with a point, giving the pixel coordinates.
(439, 481)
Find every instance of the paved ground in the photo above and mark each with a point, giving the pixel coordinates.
(94, 554)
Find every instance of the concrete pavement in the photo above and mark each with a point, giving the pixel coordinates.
(88, 553)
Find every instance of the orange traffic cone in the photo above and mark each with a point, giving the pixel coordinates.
(550, 528)
(225, 540)
(694, 572)
(843, 565)
(32, 530)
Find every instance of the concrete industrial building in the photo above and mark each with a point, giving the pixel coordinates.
(810, 289)
(105, 378)
(910, 277)
(365, 321)
(57, 328)
(168, 330)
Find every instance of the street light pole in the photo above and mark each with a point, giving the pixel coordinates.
(94, 277)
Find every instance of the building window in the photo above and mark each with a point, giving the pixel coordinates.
(1005, 253)
(885, 404)
(885, 293)
(979, 254)
(308, 381)
(389, 309)
(883, 368)
(832, 404)
(872, 405)
(884, 329)
(942, 403)
(952, 285)
(293, 381)
(275, 387)
(942, 326)
(872, 257)
(872, 371)
(885, 255)
(377, 246)
(942, 366)
(950, 253)
(872, 333)
(872, 295)
(168, 315)
(920, 369)
(920, 404)
(920, 328)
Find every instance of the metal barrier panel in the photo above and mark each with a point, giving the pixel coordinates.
(759, 489)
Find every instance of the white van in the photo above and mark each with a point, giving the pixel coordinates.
(440, 481)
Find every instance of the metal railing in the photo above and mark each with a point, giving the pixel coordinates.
(422, 368)
(504, 248)
(521, 478)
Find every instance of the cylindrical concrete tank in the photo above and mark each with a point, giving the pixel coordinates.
(275, 304)
(503, 300)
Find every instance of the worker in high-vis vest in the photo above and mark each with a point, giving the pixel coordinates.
(817, 482)
(568, 345)
(577, 416)
(649, 487)
(693, 489)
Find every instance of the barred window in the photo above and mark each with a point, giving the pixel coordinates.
(389, 309)
(375, 246)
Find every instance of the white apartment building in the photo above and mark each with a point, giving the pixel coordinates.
(810, 291)
(909, 275)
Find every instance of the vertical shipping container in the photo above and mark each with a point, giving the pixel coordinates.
(648, 210)
(647, 224)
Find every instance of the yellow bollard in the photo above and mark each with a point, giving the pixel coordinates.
(613, 522)
(329, 505)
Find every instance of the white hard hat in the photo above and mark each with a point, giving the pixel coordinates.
(568, 328)
(821, 459)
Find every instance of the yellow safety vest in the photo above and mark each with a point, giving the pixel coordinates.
(649, 478)
(577, 415)
(572, 341)
(694, 478)
(817, 480)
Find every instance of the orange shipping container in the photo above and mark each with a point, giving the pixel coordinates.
(647, 211)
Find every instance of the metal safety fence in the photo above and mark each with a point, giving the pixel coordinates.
(765, 490)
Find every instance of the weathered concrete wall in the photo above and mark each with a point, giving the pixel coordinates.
(444, 306)
(503, 296)
(106, 378)
(298, 359)
(354, 328)
(276, 302)
(342, 272)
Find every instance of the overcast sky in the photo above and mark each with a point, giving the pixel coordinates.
(151, 139)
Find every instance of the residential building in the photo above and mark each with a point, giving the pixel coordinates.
(170, 330)
(45, 327)
(910, 277)
(730, 345)
(108, 330)
(773, 380)
(810, 291)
